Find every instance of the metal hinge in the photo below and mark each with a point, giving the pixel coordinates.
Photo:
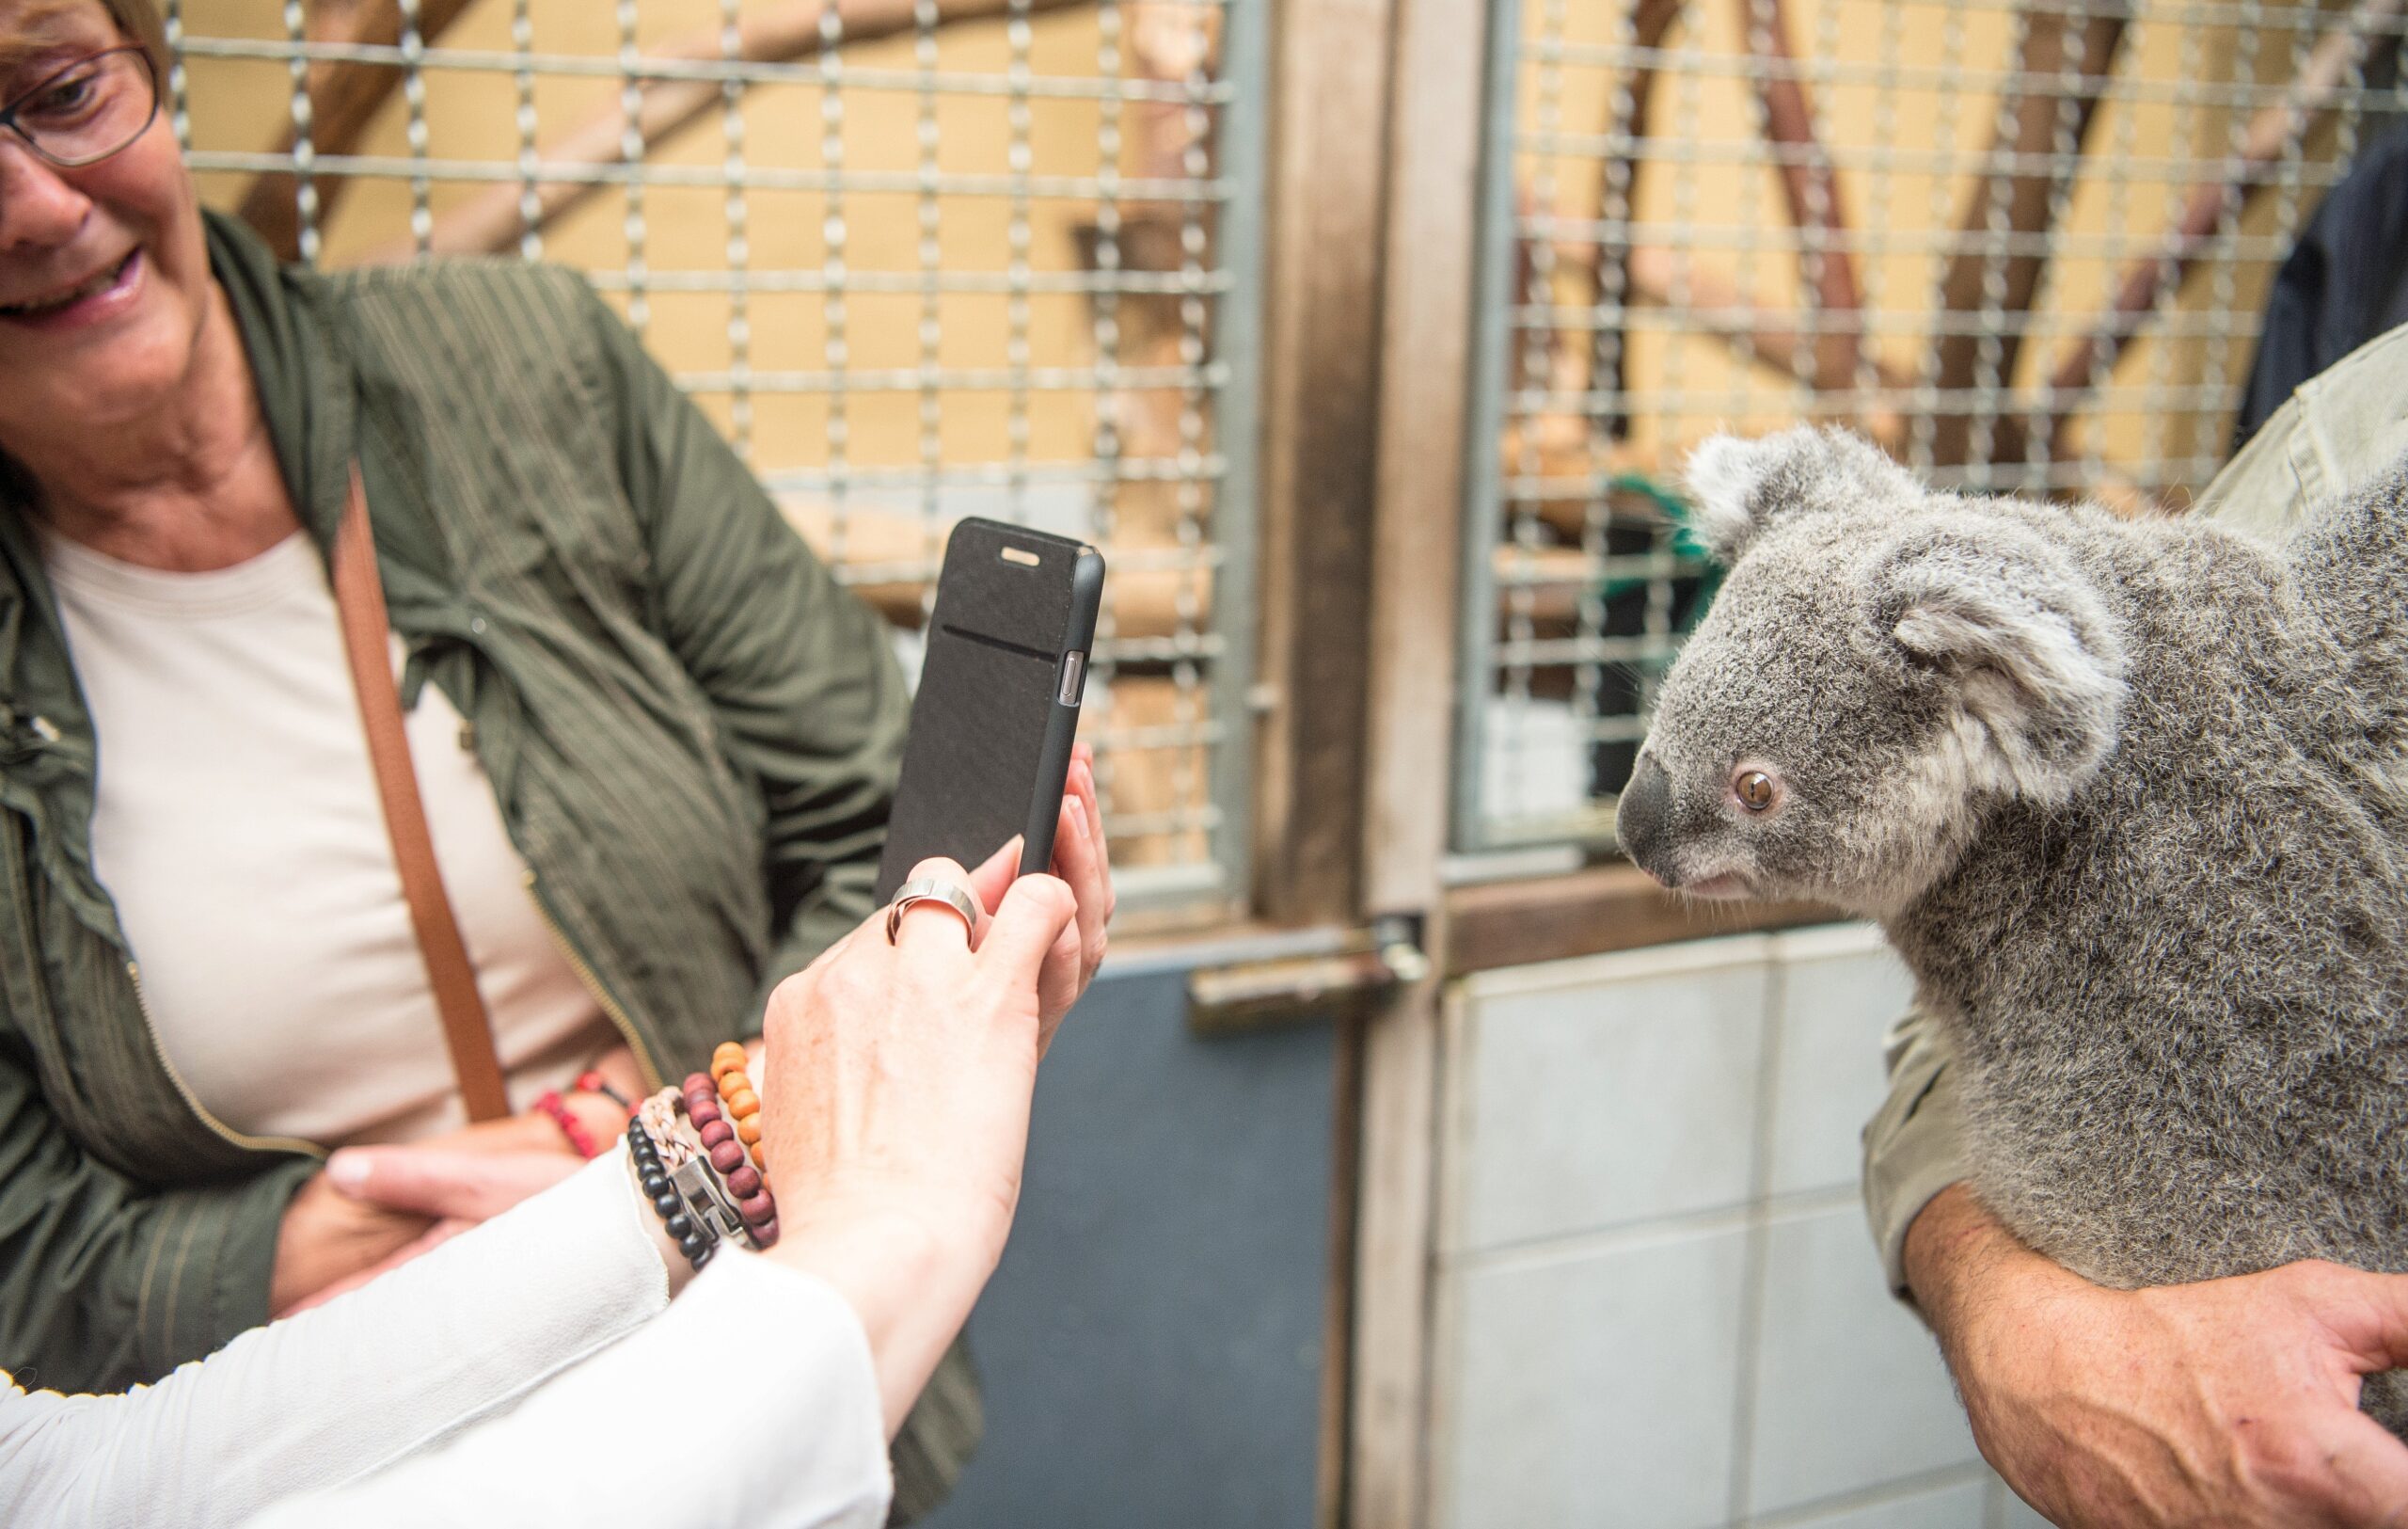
(1358, 968)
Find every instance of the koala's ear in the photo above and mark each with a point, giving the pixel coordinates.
(1737, 488)
(2036, 659)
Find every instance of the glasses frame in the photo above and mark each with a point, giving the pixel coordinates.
(16, 103)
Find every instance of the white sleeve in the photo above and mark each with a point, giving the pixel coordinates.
(330, 1396)
(752, 1401)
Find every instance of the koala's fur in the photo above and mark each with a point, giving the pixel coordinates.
(2126, 796)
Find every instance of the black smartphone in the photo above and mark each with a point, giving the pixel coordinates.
(998, 705)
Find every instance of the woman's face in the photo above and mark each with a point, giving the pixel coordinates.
(104, 281)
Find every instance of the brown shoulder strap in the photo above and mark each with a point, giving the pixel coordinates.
(359, 596)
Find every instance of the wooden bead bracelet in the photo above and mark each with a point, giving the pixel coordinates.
(737, 1171)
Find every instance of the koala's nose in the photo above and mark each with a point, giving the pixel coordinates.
(1643, 816)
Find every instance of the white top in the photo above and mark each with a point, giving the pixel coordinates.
(523, 1373)
(239, 830)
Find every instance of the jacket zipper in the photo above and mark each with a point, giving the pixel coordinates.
(252, 1143)
(618, 1016)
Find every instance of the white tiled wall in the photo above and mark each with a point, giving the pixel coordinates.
(1658, 1305)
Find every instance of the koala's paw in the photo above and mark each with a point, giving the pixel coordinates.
(1737, 486)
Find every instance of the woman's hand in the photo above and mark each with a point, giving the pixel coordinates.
(327, 1238)
(375, 1208)
(1083, 862)
(896, 1110)
(445, 1189)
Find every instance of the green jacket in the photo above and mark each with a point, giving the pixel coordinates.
(692, 731)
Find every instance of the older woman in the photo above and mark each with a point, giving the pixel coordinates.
(653, 740)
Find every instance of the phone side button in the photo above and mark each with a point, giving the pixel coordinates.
(1074, 678)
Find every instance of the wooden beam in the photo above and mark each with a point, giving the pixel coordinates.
(2074, 49)
(1432, 137)
(1613, 907)
(1321, 353)
(491, 221)
(2210, 207)
(1721, 307)
(1627, 119)
(1810, 189)
(344, 98)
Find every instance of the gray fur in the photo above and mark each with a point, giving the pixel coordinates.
(2125, 795)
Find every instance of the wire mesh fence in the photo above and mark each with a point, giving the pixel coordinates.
(917, 258)
(2022, 245)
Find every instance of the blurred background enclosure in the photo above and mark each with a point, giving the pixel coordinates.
(918, 258)
(2023, 245)
(928, 258)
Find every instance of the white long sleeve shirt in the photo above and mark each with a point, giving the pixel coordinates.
(530, 1371)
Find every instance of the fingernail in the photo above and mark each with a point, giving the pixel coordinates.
(347, 1171)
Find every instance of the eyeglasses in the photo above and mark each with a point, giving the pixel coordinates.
(87, 111)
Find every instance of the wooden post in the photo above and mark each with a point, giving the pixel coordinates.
(1433, 144)
(1321, 360)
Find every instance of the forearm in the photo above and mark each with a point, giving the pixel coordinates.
(799, 672)
(1958, 1257)
(342, 1390)
(107, 1282)
(666, 1429)
(912, 1288)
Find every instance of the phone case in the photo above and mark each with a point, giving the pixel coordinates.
(998, 703)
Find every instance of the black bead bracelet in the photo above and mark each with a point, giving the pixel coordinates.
(696, 1242)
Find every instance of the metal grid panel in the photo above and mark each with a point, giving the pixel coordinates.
(918, 258)
(2024, 245)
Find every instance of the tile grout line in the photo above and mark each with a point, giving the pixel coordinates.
(1905, 1489)
(1755, 1277)
(1729, 1217)
(1457, 1041)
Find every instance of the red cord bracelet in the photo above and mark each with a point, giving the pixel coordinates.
(579, 1137)
(591, 1081)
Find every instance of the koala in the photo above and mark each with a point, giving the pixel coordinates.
(2127, 797)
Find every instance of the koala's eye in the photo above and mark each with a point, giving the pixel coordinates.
(1754, 789)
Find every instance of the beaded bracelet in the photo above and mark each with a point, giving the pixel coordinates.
(735, 1094)
(579, 1137)
(696, 1240)
(591, 1081)
(741, 1178)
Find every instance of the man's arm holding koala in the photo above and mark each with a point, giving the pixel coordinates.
(2226, 1402)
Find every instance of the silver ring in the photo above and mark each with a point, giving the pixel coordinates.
(931, 889)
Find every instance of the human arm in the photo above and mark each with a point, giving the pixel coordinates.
(107, 1281)
(799, 674)
(2228, 1402)
(372, 1211)
(2225, 1402)
(896, 1114)
(334, 1394)
(751, 1400)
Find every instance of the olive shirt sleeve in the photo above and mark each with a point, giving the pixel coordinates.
(107, 1282)
(1915, 1145)
(800, 673)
